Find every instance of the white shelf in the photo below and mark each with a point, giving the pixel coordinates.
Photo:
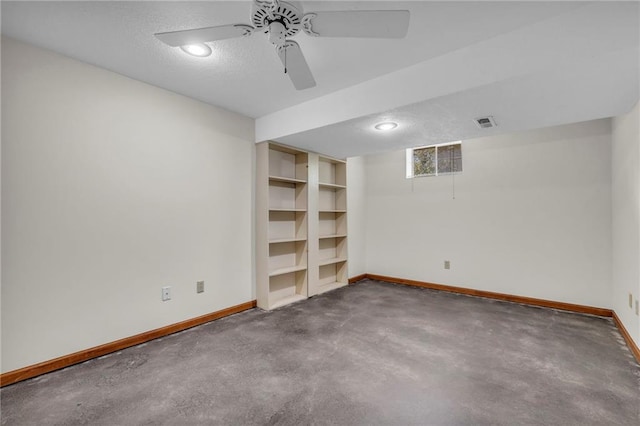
(288, 300)
(332, 236)
(332, 260)
(287, 270)
(331, 185)
(286, 210)
(332, 211)
(287, 240)
(286, 179)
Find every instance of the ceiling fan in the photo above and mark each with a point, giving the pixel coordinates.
(281, 20)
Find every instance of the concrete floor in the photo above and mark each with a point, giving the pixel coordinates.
(372, 353)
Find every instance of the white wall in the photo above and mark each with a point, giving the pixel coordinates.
(356, 226)
(626, 218)
(531, 216)
(111, 189)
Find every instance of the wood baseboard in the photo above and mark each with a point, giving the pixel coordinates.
(28, 372)
(357, 278)
(81, 356)
(602, 312)
(627, 337)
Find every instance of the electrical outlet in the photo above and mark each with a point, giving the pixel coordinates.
(200, 287)
(166, 293)
(447, 264)
(630, 300)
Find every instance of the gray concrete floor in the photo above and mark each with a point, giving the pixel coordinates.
(372, 353)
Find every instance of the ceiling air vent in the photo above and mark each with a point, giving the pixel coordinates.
(485, 122)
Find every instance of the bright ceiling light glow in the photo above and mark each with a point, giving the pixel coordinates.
(387, 125)
(200, 50)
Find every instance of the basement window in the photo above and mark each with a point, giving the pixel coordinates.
(434, 160)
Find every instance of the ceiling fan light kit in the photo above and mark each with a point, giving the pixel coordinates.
(281, 20)
(200, 50)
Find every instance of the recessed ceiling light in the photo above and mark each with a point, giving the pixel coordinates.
(200, 50)
(387, 125)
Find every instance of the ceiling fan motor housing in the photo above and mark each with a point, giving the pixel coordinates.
(281, 23)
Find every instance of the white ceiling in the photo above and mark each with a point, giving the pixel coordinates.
(529, 64)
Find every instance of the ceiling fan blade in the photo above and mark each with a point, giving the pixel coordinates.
(203, 35)
(295, 65)
(357, 23)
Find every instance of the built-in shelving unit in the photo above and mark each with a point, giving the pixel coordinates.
(301, 224)
(331, 270)
(281, 225)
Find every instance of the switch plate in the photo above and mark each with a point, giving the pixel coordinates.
(637, 308)
(166, 293)
(630, 300)
(447, 264)
(200, 287)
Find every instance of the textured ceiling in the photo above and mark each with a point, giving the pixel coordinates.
(574, 67)
(530, 64)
